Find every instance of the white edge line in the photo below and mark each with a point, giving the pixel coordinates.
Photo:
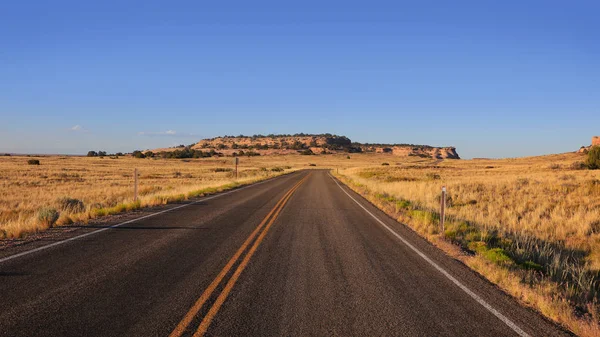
(464, 288)
(11, 257)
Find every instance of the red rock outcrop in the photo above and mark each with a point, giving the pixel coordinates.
(595, 142)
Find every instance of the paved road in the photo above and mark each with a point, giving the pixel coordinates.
(295, 256)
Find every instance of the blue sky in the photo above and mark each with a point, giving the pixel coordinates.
(493, 78)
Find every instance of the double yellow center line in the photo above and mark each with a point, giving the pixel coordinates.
(268, 220)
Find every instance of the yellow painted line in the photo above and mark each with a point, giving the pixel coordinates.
(223, 296)
(185, 322)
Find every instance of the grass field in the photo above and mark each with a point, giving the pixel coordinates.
(532, 225)
(65, 189)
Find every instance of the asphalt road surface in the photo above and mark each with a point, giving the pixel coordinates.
(298, 255)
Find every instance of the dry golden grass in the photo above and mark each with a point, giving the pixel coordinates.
(533, 224)
(80, 188)
(105, 186)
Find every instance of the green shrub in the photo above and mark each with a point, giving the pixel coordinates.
(71, 205)
(497, 255)
(33, 162)
(138, 154)
(48, 216)
(593, 159)
(402, 204)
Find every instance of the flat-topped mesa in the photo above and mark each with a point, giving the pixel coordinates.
(423, 151)
(308, 144)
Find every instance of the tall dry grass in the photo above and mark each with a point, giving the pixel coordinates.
(537, 218)
(81, 188)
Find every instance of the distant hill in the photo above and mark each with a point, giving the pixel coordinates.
(307, 144)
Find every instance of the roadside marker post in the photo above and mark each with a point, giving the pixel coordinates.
(236, 161)
(443, 208)
(135, 185)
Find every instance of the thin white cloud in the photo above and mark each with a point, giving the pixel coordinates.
(77, 128)
(168, 133)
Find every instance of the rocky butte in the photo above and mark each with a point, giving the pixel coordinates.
(309, 144)
(595, 142)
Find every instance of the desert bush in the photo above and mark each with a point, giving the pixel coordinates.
(307, 152)
(385, 164)
(176, 174)
(277, 169)
(92, 154)
(138, 154)
(578, 165)
(33, 162)
(312, 164)
(433, 176)
(593, 159)
(71, 205)
(554, 166)
(223, 169)
(48, 216)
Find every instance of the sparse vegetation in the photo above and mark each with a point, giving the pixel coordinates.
(593, 158)
(47, 217)
(525, 220)
(138, 154)
(307, 152)
(529, 228)
(70, 205)
(81, 188)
